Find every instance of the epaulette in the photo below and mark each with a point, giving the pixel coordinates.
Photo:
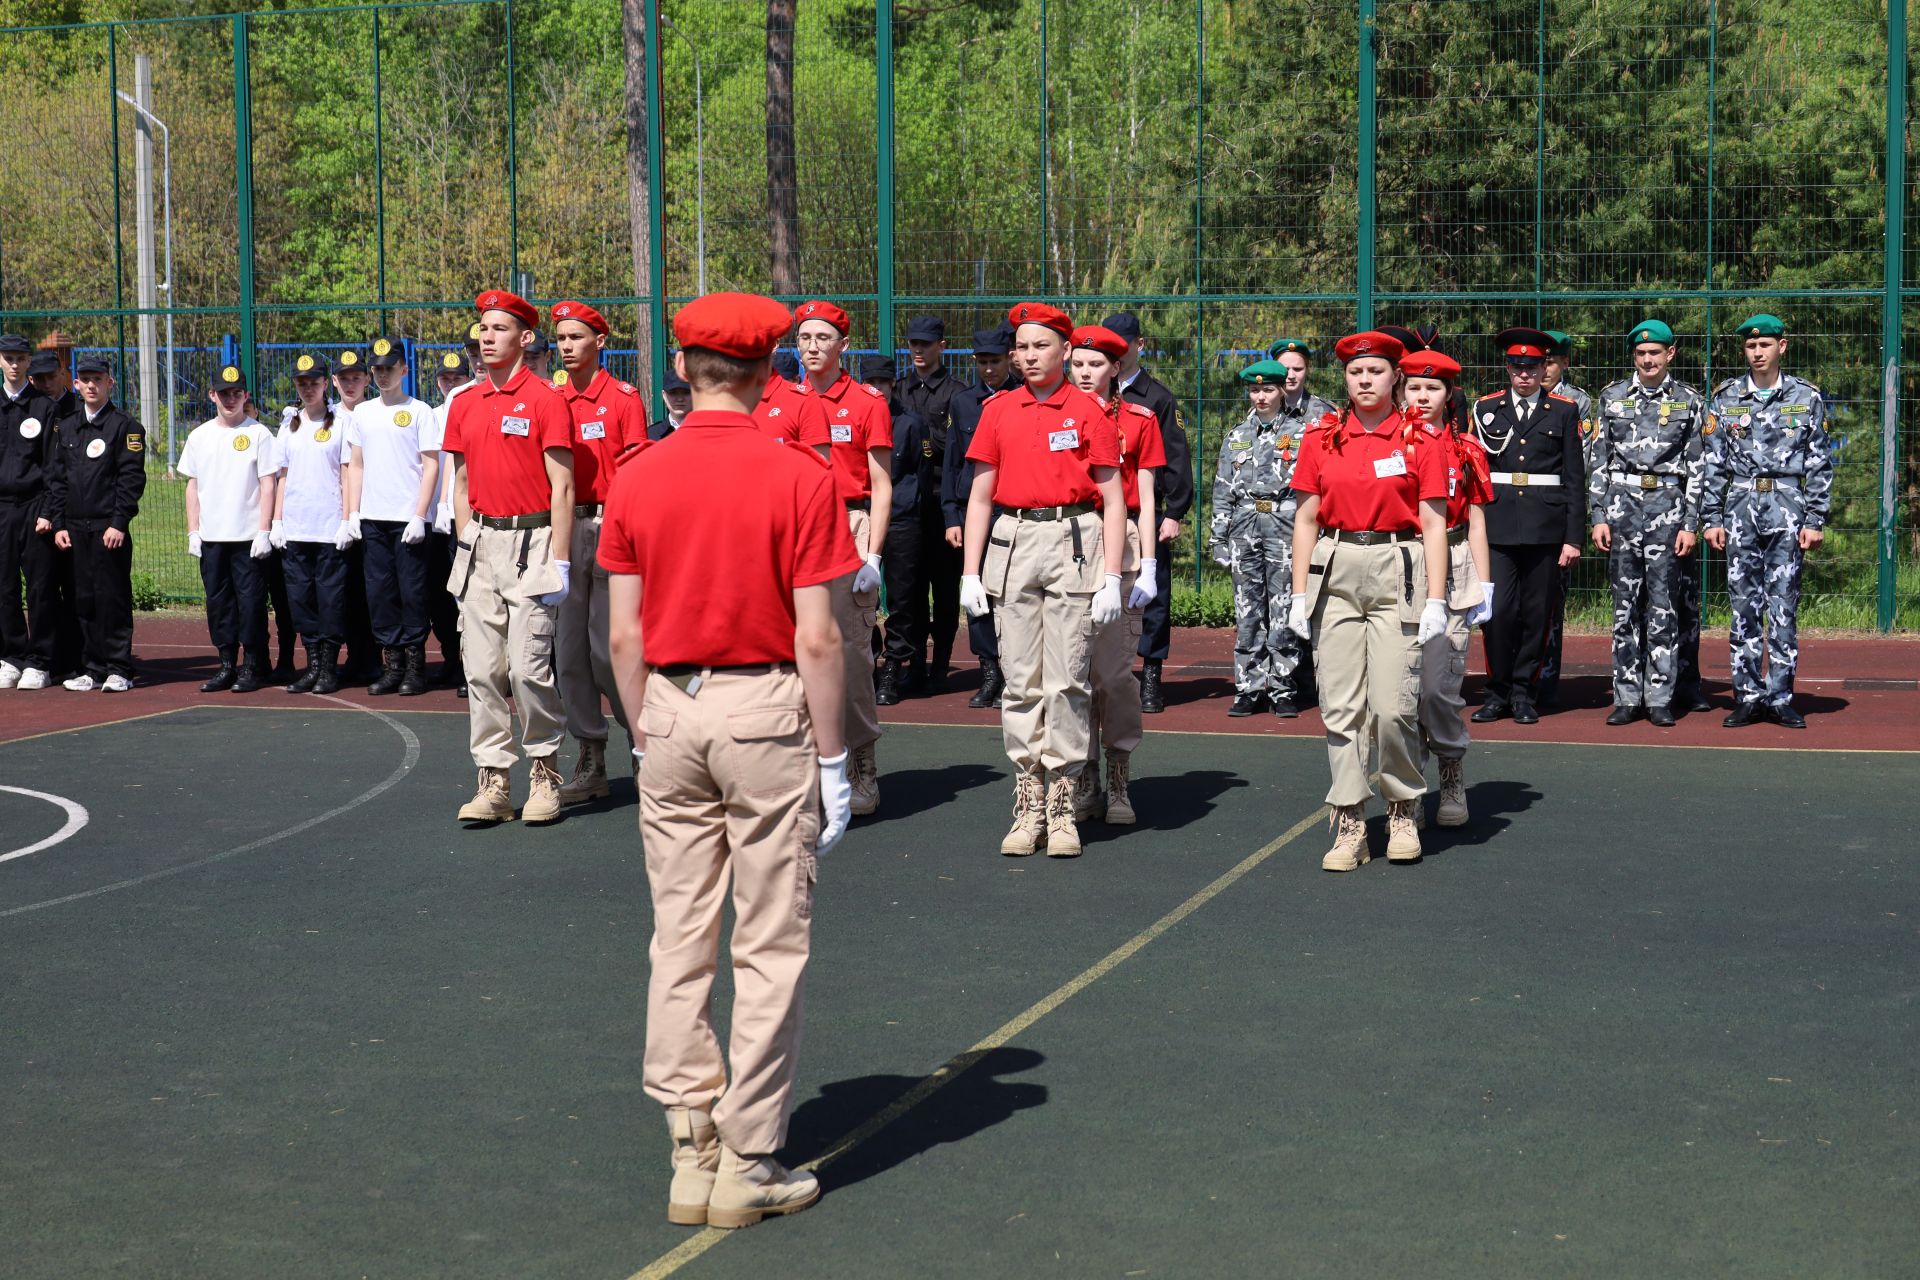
(871, 390)
(1729, 382)
(1431, 428)
(627, 387)
(1561, 399)
(1140, 410)
(1491, 395)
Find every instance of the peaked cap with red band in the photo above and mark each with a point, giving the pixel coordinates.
(1429, 364)
(1524, 344)
(1094, 337)
(820, 309)
(1041, 313)
(1371, 343)
(511, 303)
(745, 326)
(580, 311)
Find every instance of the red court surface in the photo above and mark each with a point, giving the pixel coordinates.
(1859, 693)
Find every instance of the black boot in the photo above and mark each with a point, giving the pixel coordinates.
(886, 685)
(252, 677)
(413, 680)
(1153, 699)
(937, 671)
(223, 678)
(283, 670)
(992, 685)
(312, 674)
(1244, 704)
(392, 671)
(328, 678)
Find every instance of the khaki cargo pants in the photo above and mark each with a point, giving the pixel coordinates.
(506, 640)
(582, 655)
(1443, 664)
(1043, 613)
(856, 615)
(1116, 694)
(1365, 603)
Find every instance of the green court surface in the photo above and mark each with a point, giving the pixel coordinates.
(1652, 1014)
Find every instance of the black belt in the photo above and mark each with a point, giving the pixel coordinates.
(682, 674)
(859, 504)
(588, 510)
(1456, 535)
(1370, 537)
(532, 520)
(1068, 512)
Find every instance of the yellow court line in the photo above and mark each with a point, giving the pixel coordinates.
(103, 724)
(693, 1246)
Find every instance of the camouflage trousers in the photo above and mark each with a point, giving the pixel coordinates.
(1764, 560)
(1647, 585)
(1266, 653)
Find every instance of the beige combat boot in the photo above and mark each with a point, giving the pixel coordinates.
(696, 1157)
(543, 792)
(749, 1188)
(1029, 817)
(1403, 834)
(492, 801)
(589, 780)
(1349, 852)
(1453, 794)
(863, 779)
(1063, 838)
(1086, 793)
(1119, 803)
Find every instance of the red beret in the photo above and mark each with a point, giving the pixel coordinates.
(585, 314)
(514, 305)
(1093, 337)
(1429, 364)
(1041, 313)
(819, 309)
(745, 326)
(1371, 343)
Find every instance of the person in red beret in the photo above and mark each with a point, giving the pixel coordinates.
(1093, 365)
(511, 440)
(1369, 577)
(1429, 379)
(738, 746)
(1045, 539)
(609, 421)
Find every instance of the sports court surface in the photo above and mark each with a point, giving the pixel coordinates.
(271, 1012)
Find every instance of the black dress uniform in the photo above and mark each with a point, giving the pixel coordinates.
(26, 443)
(44, 372)
(95, 481)
(916, 517)
(1539, 483)
(1172, 499)
(956, 482)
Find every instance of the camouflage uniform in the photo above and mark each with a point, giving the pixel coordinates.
(1547, 683)
(1767, 475)
(1643, 482)
(1252, 529)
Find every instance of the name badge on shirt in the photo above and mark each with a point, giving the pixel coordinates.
(593, 431)
(516, 426)
(96, 447)
(1394, 466)
(1061, 441)
(842, 434)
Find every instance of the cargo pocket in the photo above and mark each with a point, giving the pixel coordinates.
(537, 643)
(1463, 584)
(462, 569)
(999, 558)
(807, 866)
(771, 750)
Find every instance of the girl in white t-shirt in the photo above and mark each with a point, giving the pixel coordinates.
(361, 664)
(228, 462)
(310, 525)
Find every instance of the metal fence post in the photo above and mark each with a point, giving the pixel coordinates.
(1539, 163)
(1045, 147)
(883, 113)
(1368, 140)
(1199, 275)
(380, 189)
(656, 215)
(1895, 269)
(513, 154)
(243, 187)
(119, 269)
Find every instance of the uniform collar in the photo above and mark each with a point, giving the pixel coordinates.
(772, 389)
(1774, 390)
(717, 418)
(1392, 424)
(838, 391)
(1514, 398)
(26, 390)
(1054, 400)
(915, 376)
(595, 385)
(1645, 390)
(512, 387)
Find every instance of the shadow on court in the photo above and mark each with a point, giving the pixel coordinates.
(1168, 803)
(911, 792)
(1494, 806)
(976, 1100)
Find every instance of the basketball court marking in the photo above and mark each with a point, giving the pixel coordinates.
(76, 819)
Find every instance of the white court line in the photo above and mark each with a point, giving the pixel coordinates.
(407, 762)
(76, 819)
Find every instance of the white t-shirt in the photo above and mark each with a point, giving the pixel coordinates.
(391, 438)
(311, 458)
(446, 459)
(228, 465)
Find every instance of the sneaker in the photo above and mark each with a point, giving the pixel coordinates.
(34, 678)
(9, 676)
(117, 683)
(81, 684)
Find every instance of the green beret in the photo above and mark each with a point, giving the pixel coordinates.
(1761, 326)
(1562, 343)
(1294, 345)
(1651, 331)
(1264, 373)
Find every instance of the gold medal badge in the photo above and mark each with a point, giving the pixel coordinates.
(404, 418)
(322, 435)
(242, 442)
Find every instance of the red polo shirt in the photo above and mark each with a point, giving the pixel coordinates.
(718, 577)
(1140, 446)
(607, 421)
(1375, 480)
(1044, 451)
(782, 405)
(857, 420)
(504, 432)
(1469, 482)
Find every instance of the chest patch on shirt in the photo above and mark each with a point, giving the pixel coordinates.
(842, 433)
(1061, 441)
(29, 428)
(1386, 467)
(322, 435)
(403, 419)
(135, 444)
(242, 443)
(593, 431)
(96, 447)
(512, 426)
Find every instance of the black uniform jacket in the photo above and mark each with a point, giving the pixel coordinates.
(1534, 515)
(100, 486)
(916, 467)
(1173, 483)
(956, 476)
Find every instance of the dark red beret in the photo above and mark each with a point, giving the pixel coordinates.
(580, 311)
(745, 326)
(1429, 364)
(514, 305)
(1093, 337)
(819, 309)
(1041, 313)
(1370, 343)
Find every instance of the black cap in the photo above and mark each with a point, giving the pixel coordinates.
(350, 360)
(997, 341)
(539, 345)
(926, 329)
(388, 352)
(454, 362)
(43, 362)
(93, 364)
(873, 368)
(226, 378)
(673, 381)
(473, 335)
(311, 364)
(14, 342)
(1124, 323)
(787, 365)
(1408, 338)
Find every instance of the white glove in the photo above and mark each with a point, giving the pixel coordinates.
(262, 545)
(836, 803)
(416, 531)
(555, 597)
(1479, 613)
(1147, 586)
(1297, 620)
(353, 526)
(868, 579)
(193, 544)
(343, 536)
(973, 597)
(639, 758)
(443, 518)
(277, 535)
(1106, 601)
(1433, 620)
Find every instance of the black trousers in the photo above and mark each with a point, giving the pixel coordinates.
(273, 594)
(316, 591)
(443, 611)
(236, 599)
(360, 642)
(397, 576)
(1156, 625)
(981, 636)
(103, 599)
(68, 647)
(26, 638)
(923, 590)
(1527, 595)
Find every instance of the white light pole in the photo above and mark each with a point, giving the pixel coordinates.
(165, 286)
(699, 155)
